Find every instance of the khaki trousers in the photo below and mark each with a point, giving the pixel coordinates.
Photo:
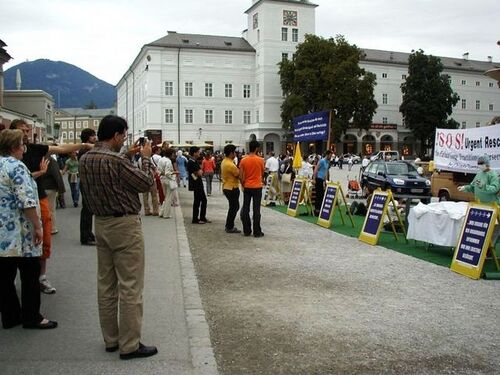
(154, 200)
(120, 279)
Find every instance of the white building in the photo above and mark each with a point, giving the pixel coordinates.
(198, 89)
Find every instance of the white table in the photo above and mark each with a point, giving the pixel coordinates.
(437, 223)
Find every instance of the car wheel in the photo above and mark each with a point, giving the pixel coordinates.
(444, 196)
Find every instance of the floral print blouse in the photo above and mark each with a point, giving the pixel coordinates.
(18, 191)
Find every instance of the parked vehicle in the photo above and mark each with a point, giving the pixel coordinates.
(444, 185)
(398, 176)
(355, 158)
(385, 155)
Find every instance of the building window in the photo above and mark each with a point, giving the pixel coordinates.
(295, 35)
(188, 88)
(490, 107)
(71, 136)
(284, 34)
(478, 83)
(169, 88)
(464, 104)
(284, 56)
(228, 90)
(209, 116)
(384, 75)
(490, 84)
(478, 124)
(228, 117)
(257, 116)
(403, 76)
(384, 98)
(78, 124)
(246, 91)
(209, 87)
(384, 120)
(64, 135)
(464, 82)
(96, 122)
(64, 125)
(85, 123)
(478, 105)
(257, 90)
(246, 117)
(464, 124)
(169, 116)
(189, 116)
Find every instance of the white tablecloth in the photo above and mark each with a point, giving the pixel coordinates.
(437, 223)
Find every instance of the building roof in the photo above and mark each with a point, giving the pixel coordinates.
(101, 112)
(294, 2)
(197, 41)
(401, 58)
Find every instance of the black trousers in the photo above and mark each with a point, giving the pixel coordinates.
(86, 234)
(233, 197)
(254, 195)
(28, 312)
(320, 192)
(199, 204)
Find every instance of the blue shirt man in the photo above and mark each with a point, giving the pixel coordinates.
(320, 174)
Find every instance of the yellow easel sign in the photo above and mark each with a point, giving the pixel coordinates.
(375, 217)
(474, 240)
(266, 191)
(295, 197)
(333, 195)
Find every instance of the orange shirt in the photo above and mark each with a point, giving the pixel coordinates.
(252, 170)
(208, 165)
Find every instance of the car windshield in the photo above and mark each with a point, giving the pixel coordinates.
(400, 169)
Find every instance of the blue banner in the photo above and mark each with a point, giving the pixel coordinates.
(375, 214)
(472, 242)
(311, 127)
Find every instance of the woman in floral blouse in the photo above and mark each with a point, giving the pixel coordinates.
(20, 237)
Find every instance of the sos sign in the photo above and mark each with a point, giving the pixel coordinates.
(449, 140)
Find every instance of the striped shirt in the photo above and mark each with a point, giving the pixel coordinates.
(110, 183)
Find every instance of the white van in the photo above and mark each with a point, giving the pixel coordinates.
(385, 155)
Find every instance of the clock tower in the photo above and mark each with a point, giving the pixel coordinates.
(275, 28)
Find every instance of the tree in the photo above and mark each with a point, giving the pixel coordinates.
(325, 75)
(90, 105)
(428, 99)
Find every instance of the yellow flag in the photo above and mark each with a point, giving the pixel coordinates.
(297, 157)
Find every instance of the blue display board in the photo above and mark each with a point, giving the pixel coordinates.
(375, 214)
(473, 239)
(295, 196)
(328, 203)
(311, 127)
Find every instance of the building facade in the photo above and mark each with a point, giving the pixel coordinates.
(202, 89)
(70, 122)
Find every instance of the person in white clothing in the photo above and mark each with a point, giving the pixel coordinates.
(168, 181)
(272, 163)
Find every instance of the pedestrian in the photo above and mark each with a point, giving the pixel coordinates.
(175, 192)
(53, 184)
(71, 168)
(111, 185)
(350, 162)
(181, 166)
(320, 175)
(208, 168)
(34, 158)
(341, 161)
(21, 232)
(152, 195)
(231, 186)
(485, 185)
(168, 181)
(87, 237)
(196, 186)
(251, 174)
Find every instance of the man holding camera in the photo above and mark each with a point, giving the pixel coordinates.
(111, 185)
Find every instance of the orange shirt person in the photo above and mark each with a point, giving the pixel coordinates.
(251, 175)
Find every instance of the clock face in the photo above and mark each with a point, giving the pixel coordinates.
(256, 20)
(290, 18)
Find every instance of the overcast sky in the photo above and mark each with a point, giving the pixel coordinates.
(103, 37)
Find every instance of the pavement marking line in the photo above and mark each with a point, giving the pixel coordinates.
(202, 354)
